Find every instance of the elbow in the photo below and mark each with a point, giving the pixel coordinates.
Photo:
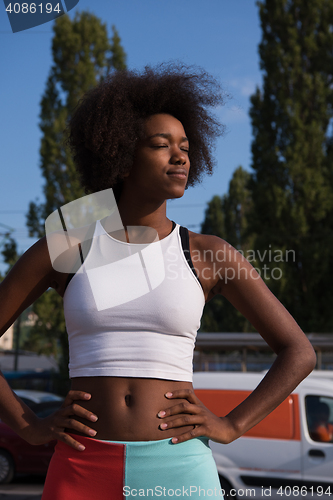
(303, 359)
(309, 359)
(314, 360)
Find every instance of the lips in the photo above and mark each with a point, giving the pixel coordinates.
(178, 173)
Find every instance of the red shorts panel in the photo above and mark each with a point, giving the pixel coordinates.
(97, 473)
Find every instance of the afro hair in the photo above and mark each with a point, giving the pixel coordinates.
(108, 121)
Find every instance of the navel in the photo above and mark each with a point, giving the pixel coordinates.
(128, 400)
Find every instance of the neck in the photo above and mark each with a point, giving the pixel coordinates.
(135, 212)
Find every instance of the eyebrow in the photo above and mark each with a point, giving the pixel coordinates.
(167, 136)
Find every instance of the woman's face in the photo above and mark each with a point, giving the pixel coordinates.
(161, 164)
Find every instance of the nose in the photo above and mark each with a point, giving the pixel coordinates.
(179, 158)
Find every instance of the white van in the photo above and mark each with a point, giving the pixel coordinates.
(289, 452)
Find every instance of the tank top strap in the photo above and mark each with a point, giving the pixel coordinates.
(84, 248)
(185, 239)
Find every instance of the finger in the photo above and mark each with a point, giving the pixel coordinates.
(181, 422)
(75, 409)
(183, 394)
(71, 423)
(184, 407)
(74, 396)
(67, 439)
(196, 432)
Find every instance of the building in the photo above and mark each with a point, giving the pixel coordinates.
(7, 339)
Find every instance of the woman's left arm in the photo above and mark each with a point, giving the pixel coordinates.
(241, 285)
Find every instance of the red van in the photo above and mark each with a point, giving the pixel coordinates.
(289, 453)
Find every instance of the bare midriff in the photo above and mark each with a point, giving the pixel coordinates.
(127, 408)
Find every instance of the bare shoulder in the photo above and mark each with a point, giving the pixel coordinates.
(212, 258)
(44, 265)
(231, 269)
(210, 248)
(28, 279)
(204, 241)
(208, 241)
(35, 261)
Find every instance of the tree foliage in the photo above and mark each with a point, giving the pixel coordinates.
(227, 217)
(292, 154)
(9, 252)
(82, 56)
(288, 219)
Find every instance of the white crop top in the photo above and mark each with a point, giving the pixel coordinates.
(136, 316)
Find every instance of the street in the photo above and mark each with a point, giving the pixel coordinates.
(31, 488)
(23, 488)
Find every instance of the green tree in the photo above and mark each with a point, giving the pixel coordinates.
(118, 55)
(8, 248)
(227, 217)
(10, 257)
(292, 156)
(214, 222)
(82, 56)
(9, 252)
(236, 206)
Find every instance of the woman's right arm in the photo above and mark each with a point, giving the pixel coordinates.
(31, 276)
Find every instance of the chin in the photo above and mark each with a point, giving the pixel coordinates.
(174, 196)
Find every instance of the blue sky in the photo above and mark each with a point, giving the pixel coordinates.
(222, 36)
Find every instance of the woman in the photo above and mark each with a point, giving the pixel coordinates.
(138, 422)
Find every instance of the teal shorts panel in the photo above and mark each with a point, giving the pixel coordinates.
(163, 469)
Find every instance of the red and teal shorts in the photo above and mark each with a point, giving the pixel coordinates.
(115, 470)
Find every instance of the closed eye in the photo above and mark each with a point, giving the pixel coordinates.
(166, 146)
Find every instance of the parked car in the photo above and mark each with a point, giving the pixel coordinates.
(291, 449)
(31, 397)
(16, 455)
